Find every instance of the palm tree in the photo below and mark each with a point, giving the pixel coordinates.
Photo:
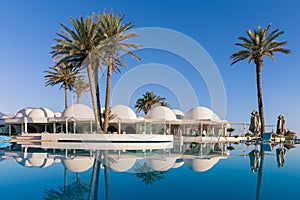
(80, 87)
(149, 100)
(76, 45)
(260, 43)
(65, 75)
(113, 47)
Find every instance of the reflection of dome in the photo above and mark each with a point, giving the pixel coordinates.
(201, 113)
(123, 112)
(79, 111)
(161, 113)
(178, 163)
(201, 164)
(122, 164)
(78, 164)
(178, 113)
(161, 164)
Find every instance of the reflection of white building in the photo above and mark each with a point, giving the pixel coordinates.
(200, 157)
(79, 118)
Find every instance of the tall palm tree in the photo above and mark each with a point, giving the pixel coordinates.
(149, 100)
(80, 87)
(259, 43)
(113, 48)
(76, 45)
(65, 75)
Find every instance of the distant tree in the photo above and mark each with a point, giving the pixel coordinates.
(63, 75)
(148, 101)
(230, 130)
(259, 43)
(81, 86)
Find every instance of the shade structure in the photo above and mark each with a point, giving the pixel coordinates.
(255, 123)
(280, 129)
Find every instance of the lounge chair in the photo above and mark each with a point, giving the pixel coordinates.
(266, 138)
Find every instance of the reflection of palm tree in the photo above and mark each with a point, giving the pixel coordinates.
(260, 172)
(76, 190)
(95, 177)
(147, 174)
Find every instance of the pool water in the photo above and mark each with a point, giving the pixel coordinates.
(185, 171)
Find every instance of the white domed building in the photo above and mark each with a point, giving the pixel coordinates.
(123, 120)
(30, 120)
(202, 121)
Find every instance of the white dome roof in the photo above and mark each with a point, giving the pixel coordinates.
(57, 114)
(78, 164)
(79, 111)
(201, 164)
(122, 164)
(178, 113)
(23, 113)
(38, 113)
(161, 113)
(201, 113)
(161, 165)
(123, 112)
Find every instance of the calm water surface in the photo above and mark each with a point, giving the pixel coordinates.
(188, 171)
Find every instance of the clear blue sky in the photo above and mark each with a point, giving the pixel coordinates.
(28, 29)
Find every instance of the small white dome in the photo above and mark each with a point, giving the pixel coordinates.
(79, 111)
(123, 112)
(78, 164)
(178, 113)
(201, 113)
(23, 113)
(57, 114)
(38, 113)
(201, 164)
(161, 113)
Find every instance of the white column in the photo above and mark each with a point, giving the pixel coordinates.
(74, 126)
(66, 125)
(9, 130)
(119, 126)
(54, 127)
(91, 124)
(25, 124)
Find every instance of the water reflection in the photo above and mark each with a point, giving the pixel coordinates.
(150, 165)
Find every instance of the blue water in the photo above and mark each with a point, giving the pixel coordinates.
(228, 178)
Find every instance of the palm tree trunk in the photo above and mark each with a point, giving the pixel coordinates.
(93, 95)
(98, 97)
(107, 96)
(78, 98)
(65, 178)
(259, 66)
(66, 96)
